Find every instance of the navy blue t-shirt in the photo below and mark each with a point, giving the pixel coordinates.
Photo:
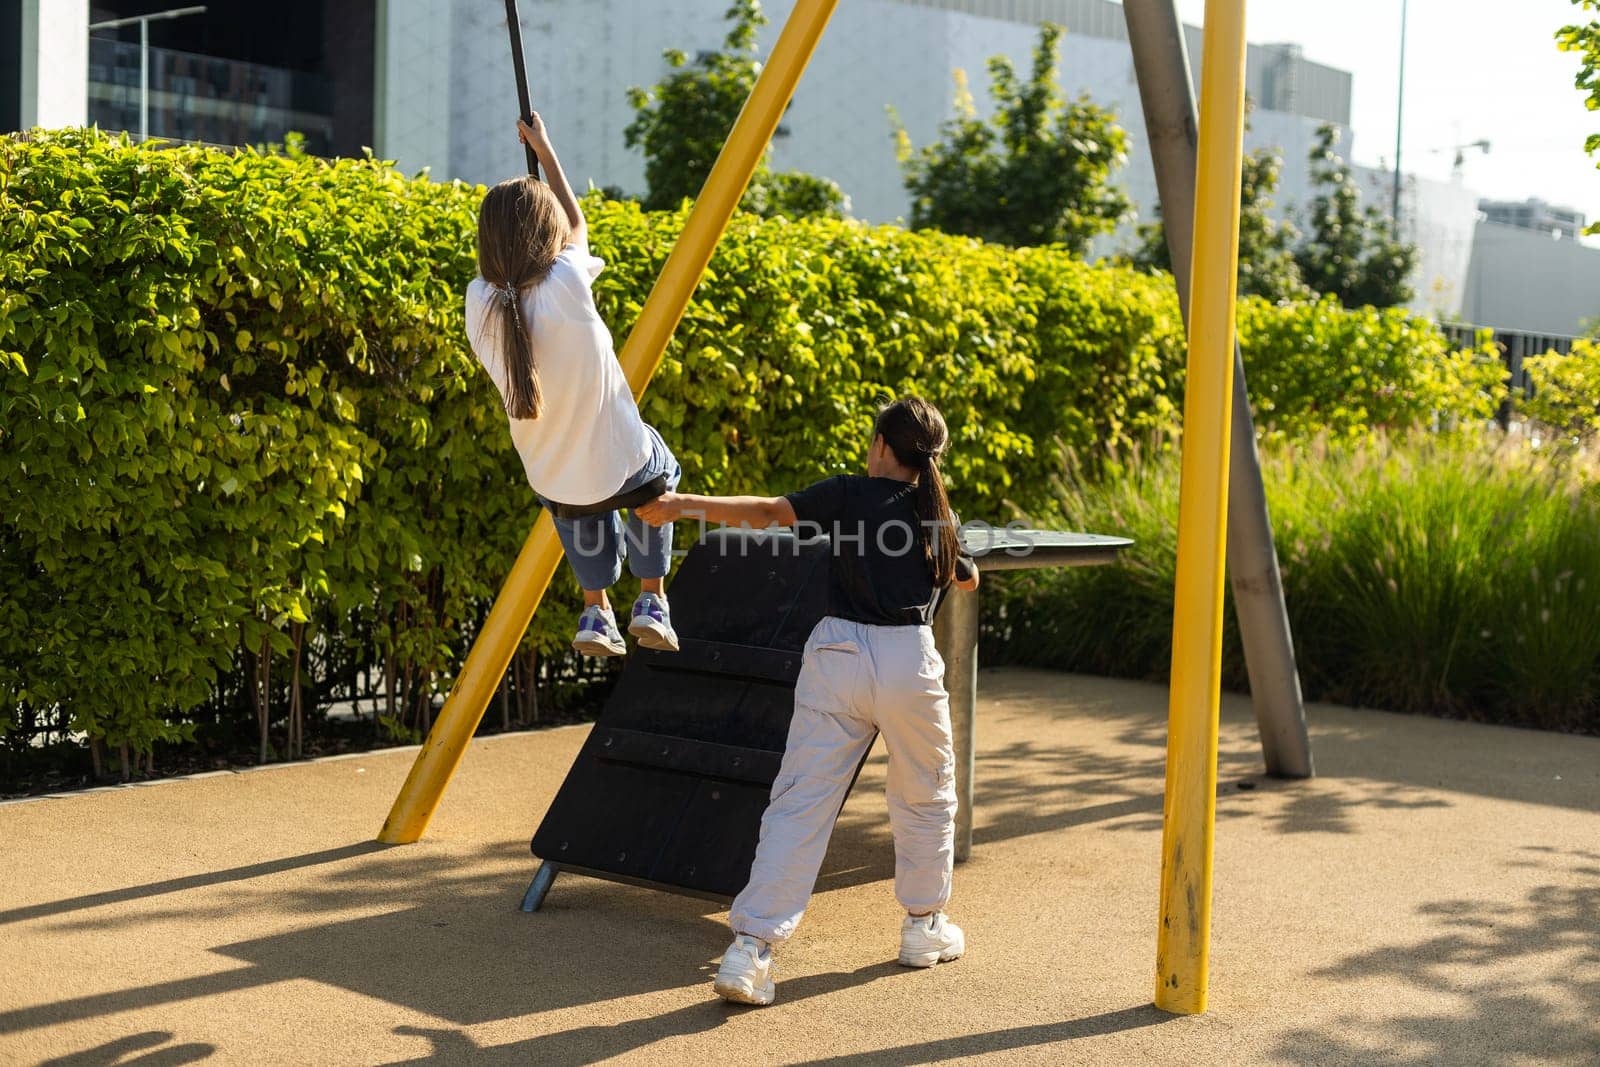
(878, 572)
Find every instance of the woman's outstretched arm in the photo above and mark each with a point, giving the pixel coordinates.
(754, 511)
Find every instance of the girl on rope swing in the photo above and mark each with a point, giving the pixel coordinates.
(533, 325)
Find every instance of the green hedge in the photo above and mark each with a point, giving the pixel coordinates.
(234, 397)
(1439, 575)
(244, 449)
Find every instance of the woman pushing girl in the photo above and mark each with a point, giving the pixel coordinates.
(869, 667)
(533, 325)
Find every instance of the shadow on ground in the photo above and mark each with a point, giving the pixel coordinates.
(149, 1049)
(590, 1044)
(195, 881)
(457, 950)
(458, 934)
(1471, 959)
(1030, 787)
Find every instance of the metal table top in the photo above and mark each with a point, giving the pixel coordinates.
(998, 549)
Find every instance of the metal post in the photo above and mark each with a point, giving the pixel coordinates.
(1399, 115)
(144, 80)
(1189, 808)
(1161, 63)
(536, 563)
(539, 888)
(955, 633)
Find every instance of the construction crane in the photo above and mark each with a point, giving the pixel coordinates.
(1460, 150)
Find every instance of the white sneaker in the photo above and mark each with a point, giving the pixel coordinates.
(745, 976)
(930, 939)
(652, 623)
(598, 634)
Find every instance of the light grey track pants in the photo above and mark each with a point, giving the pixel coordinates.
(855, 680)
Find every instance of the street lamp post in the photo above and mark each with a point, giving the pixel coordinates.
(1399, 115)
(144, 52)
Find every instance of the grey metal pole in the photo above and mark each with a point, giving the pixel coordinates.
(1399, 116)
(1161, 64)
(144, 80)
(955, 634)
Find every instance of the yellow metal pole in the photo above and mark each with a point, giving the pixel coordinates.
(1189, 811)
(641, 354)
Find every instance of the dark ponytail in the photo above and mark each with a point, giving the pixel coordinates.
(521, 231)
(915, 432)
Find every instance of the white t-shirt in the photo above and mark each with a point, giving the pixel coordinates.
(589, 439)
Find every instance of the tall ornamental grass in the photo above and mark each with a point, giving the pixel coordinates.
(1437, 575)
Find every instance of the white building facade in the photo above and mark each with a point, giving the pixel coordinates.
(1441, 219)
(450, 113)
(1531, 281)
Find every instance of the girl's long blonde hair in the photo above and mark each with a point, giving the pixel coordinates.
(521, 231)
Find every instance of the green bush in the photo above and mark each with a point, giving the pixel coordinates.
(1318, 368)
(1444, 575)
(1566, 392)
(247, 458)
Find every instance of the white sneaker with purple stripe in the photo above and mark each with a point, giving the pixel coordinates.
(598, 634)
(652, 623)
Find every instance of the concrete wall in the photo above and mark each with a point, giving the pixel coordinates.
(411, 123)
(875, 55)
(54, 63)
(446, 99)
(1278, 76)
(1529, 281)
(903, 55)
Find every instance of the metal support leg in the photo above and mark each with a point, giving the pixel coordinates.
(542, 880)
(1161, 64)
(955, 633)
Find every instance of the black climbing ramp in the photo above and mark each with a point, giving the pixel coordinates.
(669, 788)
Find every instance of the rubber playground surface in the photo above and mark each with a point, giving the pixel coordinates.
(1433, 897)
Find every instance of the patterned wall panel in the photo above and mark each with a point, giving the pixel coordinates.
(414, 57)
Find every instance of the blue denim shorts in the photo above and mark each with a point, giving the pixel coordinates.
(596, 545)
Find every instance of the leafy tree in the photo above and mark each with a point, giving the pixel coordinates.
(794, 195)
(1351, 253)
(1037, 173)
(1267, 267)
(1584, 39)
(681, 125)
